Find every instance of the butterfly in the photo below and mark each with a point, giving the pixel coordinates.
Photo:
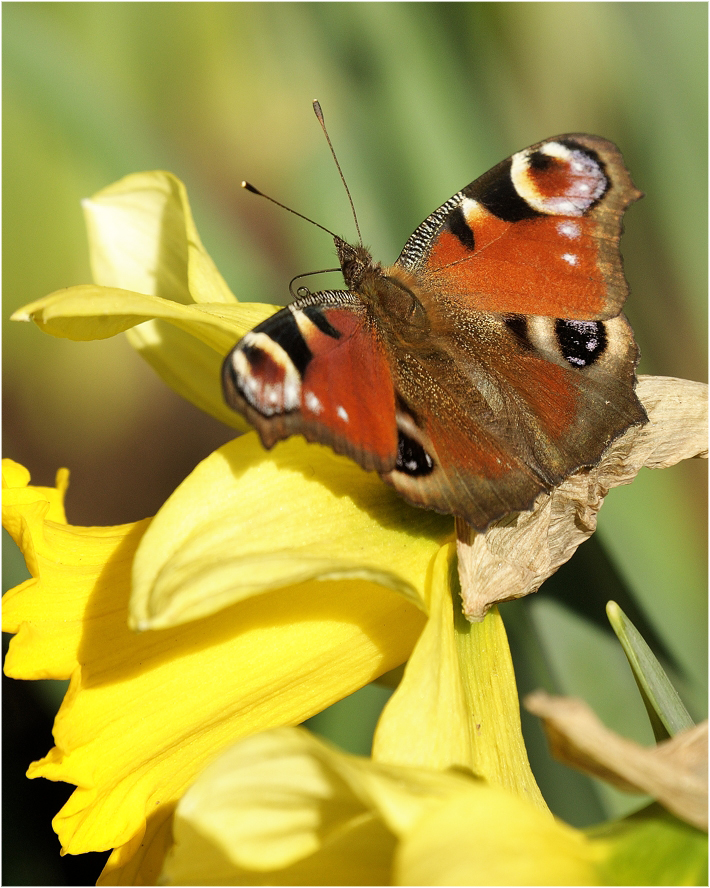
(488, 363)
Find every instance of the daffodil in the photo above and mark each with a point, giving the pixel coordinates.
(270, 585)
(146, 711)
(283, 808)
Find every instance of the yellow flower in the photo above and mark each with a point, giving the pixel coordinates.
(146, 711)
(284, 808)
(273, 584)
(154, 279)
(320, 573)
(138, 724)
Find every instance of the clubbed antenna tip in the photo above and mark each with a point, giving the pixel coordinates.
(319, 114)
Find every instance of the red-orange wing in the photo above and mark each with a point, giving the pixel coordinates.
(536, 235)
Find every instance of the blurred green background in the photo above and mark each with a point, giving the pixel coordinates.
(420, 99)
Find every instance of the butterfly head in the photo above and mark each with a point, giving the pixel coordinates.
(355, 262)
(384, 291)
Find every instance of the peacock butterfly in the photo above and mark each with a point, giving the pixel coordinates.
(488, 363)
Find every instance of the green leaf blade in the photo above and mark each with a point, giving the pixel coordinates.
(666, 711)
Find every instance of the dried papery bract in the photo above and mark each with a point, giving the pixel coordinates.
(673, 772)
(517, 554)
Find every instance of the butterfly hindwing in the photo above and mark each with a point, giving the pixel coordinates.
(521, 403)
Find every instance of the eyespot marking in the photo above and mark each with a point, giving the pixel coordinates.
(264, 374)
(412, 458)
(518, 326)
(559, 178)
(498, 194)
(582, 343)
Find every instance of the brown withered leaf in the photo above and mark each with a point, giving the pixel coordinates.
(517, 554)
(674, 772)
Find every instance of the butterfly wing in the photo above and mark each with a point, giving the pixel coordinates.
(317, 368)
(503, 409)
(533, 372)
(538, 234)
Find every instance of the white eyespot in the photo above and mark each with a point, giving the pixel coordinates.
(555, 149)
(267, 397)
(292, 393)
(343, 414)
(569, 229)
(585, 180)
(563, 207)
(312, 402)
(570, 258)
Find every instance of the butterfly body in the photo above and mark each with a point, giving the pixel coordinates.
(488, 363)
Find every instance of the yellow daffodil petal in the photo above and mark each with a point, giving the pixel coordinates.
(285, 808)
(147, 713)
(359, 853)
(144, 713)
(185, 344)
(489, 837)
(151, 270)
(494, 708)
(140, 860)
(92, 312)
(463, 710)
(46, 613)
(263, 802)
(142, 237)
(246, 521)
(188, 366)
(426, 721)
(15, 481)
(274, 807)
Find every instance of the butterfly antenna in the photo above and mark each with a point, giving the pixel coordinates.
(319, 114)
(254, 190)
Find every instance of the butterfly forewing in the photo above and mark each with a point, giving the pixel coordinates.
(305, 371)
(538, 234)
